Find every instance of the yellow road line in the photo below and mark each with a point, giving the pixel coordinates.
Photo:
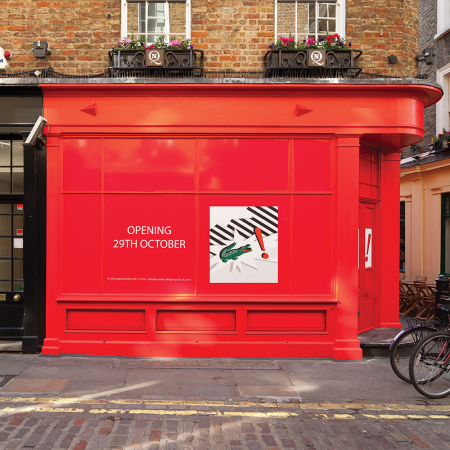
(256, 414)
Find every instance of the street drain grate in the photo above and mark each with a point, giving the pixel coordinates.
(4, 379)
(196, 364)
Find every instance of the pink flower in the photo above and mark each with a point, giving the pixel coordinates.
(121, 41)
(175, 43)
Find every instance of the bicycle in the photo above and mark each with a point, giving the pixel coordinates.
(429, 365)
(403, 345)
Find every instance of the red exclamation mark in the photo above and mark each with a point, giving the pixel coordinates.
(368, 246)
(261, 242)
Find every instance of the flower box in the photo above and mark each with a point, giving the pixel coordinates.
(161, 60)
(306, 62)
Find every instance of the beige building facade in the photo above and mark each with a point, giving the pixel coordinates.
(425, 194)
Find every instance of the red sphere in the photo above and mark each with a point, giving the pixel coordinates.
(7, 54)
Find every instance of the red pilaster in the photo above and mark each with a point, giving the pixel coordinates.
(347, 220)
(390, 238)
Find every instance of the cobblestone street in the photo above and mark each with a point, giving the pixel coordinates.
(177, 425)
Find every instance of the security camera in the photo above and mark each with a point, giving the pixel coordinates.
(36, 135)
(427, 55)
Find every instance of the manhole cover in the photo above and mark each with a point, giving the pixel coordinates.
(197, 364)
(4, 379)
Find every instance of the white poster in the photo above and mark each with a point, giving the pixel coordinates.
(243, 244)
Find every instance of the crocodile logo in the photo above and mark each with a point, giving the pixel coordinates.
(228, 252)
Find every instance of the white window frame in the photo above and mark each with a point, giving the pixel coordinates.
(340, 17)
(443, 105)
(124, 17)
(443, 18)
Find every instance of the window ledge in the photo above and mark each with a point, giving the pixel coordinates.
(442, 33)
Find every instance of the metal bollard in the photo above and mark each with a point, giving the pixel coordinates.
(441, 297)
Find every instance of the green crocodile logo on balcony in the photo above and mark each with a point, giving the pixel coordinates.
(229, 253)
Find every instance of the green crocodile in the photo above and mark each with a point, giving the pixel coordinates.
(227, 253)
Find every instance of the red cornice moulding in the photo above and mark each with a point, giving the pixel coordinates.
(427, 94)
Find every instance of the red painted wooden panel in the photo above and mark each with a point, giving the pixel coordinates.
(286, 321)
(149, 165)
(284, 252)
(135, 267)
(365, 171)
(365, 153)
(249, 165)
(81, 165)
(365, 190)
(103, 320)
(312, 246)
(195, 320)
(374, 174)
(309, 153)
(81, 243)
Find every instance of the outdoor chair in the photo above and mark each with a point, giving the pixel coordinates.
(427, 300)
(401, 276)
(408, 300)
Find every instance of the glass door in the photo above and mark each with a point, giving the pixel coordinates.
(11, 238)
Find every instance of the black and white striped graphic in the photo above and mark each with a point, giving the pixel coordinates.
(263, 217)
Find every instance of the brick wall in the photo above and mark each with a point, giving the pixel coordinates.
(233, 34)
(428, 29)
(79, 33)
(385, 27)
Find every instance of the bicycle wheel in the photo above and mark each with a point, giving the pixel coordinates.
(403, 347)
(429, 366)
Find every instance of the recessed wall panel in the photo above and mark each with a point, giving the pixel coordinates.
(248, 165)
(149, 165)
(196, 321)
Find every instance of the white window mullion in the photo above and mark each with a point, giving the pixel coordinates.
(188, 19)
(296, 16)
(124, 21)
(167, 20)
(276, 20)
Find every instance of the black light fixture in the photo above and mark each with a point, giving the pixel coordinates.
(415, 147)
(392, 59)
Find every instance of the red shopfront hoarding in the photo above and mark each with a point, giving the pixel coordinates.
(222, 220)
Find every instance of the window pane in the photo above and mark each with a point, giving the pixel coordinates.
(402, 236)
(302, 19)
(332, 11)
(133, 17)
(177, 18)
(5, 247)
(156, 26)
(5, 226)
(285, 18)
(5, 285)
(312, 10)
(323, 25)
(331, 26)
(322, 10)
(5, 209)
(18, 269)
(18, 247)
(5, 153)
(17, 208)
(5, 269)
(5, 179)
(312, 25)
(17, 179)
(447, 246)
(17, 153)
(18, 225)
(156, 10)
(18, 286)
